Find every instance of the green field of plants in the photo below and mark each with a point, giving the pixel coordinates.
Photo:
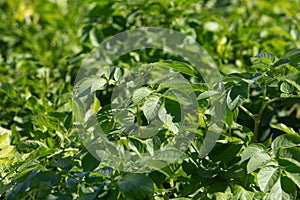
(82, 118)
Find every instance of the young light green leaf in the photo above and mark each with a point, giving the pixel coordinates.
(207, 94)
(85, 85)
(139, 94)
(293, 83)
(118, 73)
(167, 119)
(4, 140)
(284, 141)
(283, 128)
(31, 145)
(252, 150)
(151, 107)
(267, 177)
(286, 88)
(99, 84)
(93, 37)
(239, 193)
(180, 96)
(7, 151)
(256, 161)
(78, 109)
(178, 66)
(3, 131)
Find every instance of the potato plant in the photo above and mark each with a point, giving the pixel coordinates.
(255, 45)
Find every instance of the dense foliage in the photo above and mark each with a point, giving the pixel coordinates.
(256, 47)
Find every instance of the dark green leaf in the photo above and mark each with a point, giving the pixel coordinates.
(136, 186)
(89, 162)
(264, 57)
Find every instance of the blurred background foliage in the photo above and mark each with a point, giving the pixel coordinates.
(42, 43)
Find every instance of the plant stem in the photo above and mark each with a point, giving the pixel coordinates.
(246, 180)
(257, 118)
(247, 111)
(255, 132)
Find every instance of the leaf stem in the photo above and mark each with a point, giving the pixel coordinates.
(247, 111)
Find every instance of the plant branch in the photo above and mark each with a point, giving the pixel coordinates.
(247, 111)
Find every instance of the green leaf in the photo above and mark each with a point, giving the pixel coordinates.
(283, 128)
(228, 153)
(281, 62)
(267, 177)
(239, 193)
(124, 117)
(283, 189)
(45, 176)
(256, 161)
(89, 162)
(63, 163)
(207, 94)
(71, 182)
(93, 37)
(286, 88)
(98, 84)
(137, 145)
(237, 95)
(167, 119)
(136, 186)
(293, 172)
(8, 89)
(105, 118)
(4, 140)
(294, 56)
(118, 73)
(50, 122)
(293, 83)
(284, 141)
(293, 153)
(59, 196)
(7, 151)
(109, 73)
(3, 131)
(151, 107)
(180, 96)
(139, 94)
(79, 109)
(85, 85)
(178, 66)
(264, 57)
(31, 145)
(252, 150)
(168, 154)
